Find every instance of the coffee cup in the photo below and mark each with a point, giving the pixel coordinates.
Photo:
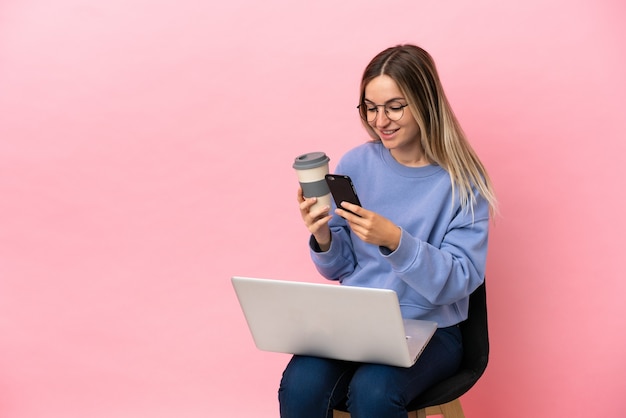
(312, 169)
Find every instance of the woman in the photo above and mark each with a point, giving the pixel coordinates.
(421, 231)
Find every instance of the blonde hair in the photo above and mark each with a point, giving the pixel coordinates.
(442, 137)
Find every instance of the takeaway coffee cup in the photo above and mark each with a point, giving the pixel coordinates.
(311, 169)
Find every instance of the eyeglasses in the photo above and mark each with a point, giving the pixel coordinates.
(394, 110)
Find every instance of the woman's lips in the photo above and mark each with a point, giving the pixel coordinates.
(387, 133)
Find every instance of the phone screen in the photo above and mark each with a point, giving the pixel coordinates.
(342, 189)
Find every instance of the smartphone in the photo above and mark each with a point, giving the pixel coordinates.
(342, 190)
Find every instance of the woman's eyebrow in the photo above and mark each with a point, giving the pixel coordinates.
(390, 100)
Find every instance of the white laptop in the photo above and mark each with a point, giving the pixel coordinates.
(329, 320)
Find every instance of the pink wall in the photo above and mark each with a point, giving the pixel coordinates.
(145, 157)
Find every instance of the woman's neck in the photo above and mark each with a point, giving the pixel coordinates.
(412, 158)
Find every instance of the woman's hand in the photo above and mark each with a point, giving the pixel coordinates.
(316, 220)
(370, 226)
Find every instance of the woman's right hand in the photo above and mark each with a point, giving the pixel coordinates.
(316, 220)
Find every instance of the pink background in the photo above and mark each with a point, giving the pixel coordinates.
(145, 157)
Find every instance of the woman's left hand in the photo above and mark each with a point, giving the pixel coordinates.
(370, 226)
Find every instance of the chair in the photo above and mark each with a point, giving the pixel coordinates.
(443, 398)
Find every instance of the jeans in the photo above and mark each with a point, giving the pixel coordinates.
(311, 386)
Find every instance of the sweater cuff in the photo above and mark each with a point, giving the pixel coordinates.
(403, 257)
(314, 245)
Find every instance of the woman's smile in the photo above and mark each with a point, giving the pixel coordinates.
(387, 134)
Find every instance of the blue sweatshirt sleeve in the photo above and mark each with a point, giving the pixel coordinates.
(450, 272)
(339, 261)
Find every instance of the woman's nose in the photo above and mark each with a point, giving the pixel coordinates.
(382, 119)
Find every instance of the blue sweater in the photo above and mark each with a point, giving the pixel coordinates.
(442, 252)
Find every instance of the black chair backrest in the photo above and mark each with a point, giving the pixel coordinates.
(476, 333)
(475, 356)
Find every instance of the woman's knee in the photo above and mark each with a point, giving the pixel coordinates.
(300, 379)
(373, 386)
(310, 383)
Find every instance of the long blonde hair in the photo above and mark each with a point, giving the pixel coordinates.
(442, 137)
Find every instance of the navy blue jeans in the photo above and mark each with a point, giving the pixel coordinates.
(311, 387)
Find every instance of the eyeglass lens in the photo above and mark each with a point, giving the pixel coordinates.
(394, 110)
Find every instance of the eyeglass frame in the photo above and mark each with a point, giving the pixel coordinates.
(384, 106)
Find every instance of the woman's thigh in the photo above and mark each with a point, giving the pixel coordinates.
(377, 390)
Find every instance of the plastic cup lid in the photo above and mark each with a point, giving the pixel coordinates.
(310, 160)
